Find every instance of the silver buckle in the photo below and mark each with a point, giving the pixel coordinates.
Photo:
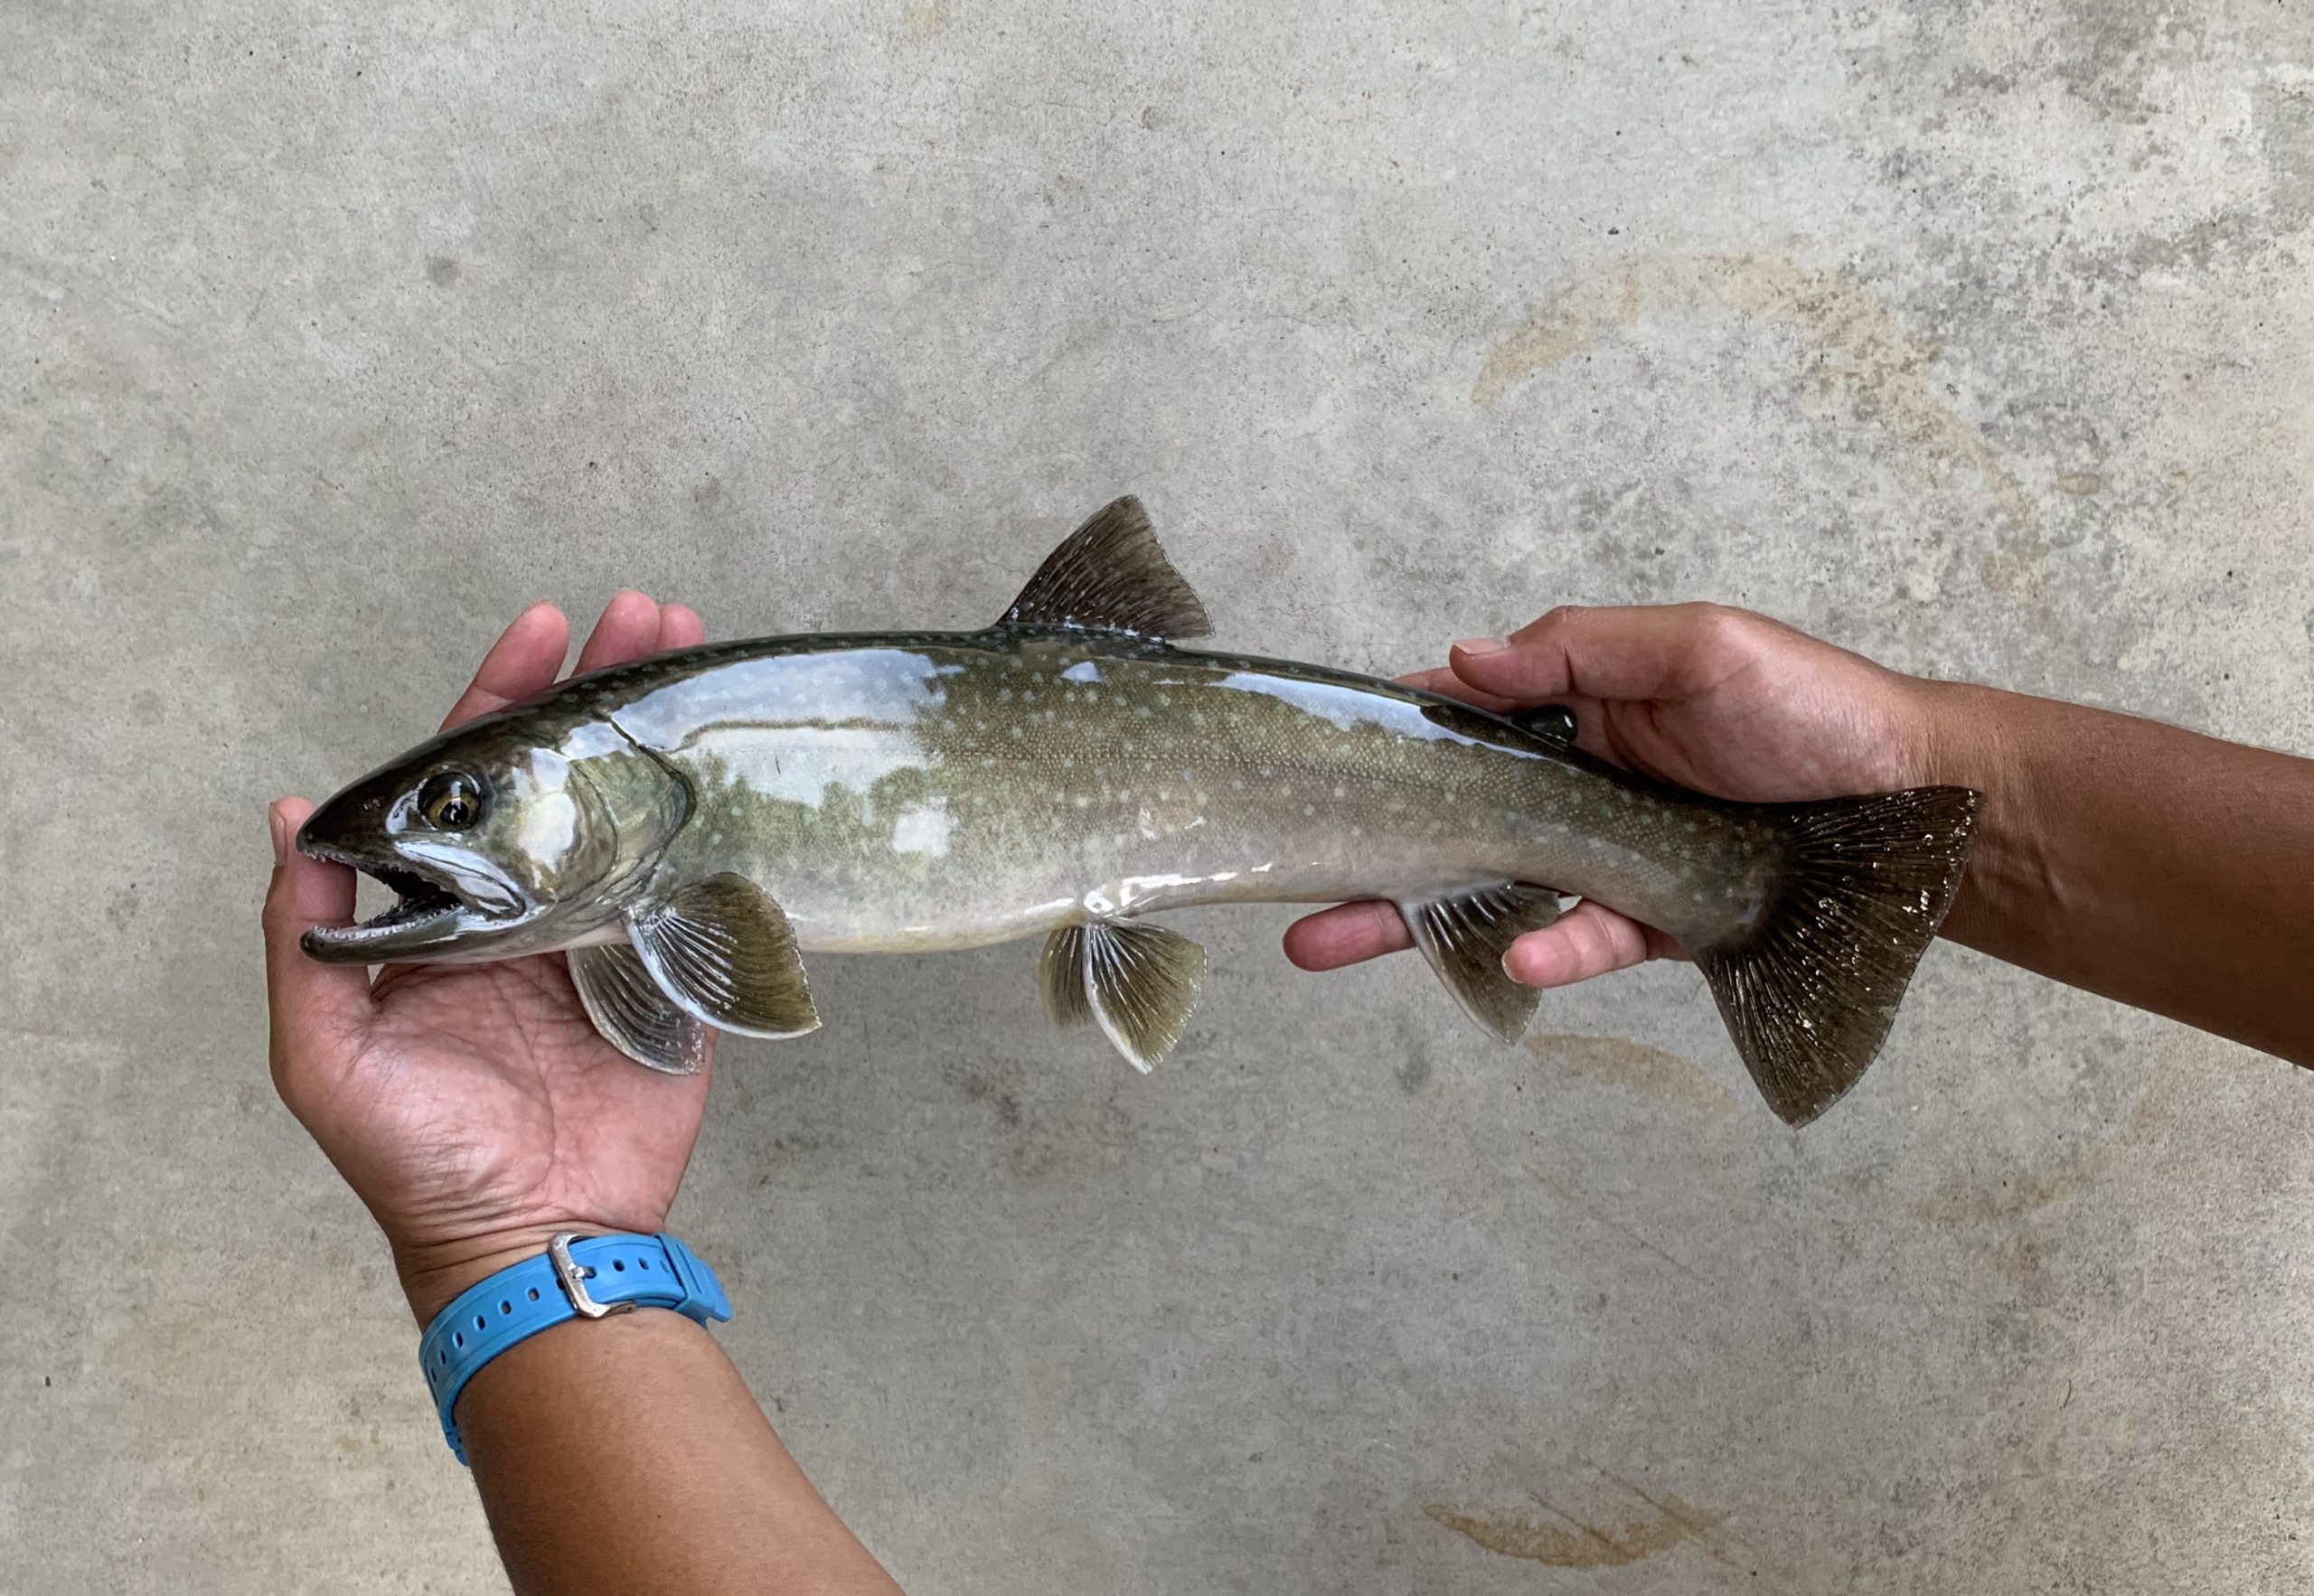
(574, 1276)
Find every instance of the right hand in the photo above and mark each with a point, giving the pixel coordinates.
(1718, 700)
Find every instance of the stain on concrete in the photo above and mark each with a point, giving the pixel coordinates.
(2081, 485)
(1854, 347)
(1635, 1068)
(2011, 1197)
(926, 19)
(442, 271)
(356, 1445)
(1575, 1542)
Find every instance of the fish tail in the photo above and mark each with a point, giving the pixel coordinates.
(1810, 988)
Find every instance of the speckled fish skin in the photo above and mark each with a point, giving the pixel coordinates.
(918, 792)
(688, 827)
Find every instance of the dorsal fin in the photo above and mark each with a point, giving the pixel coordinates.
(1110, 575)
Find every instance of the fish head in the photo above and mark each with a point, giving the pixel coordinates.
(496, 841)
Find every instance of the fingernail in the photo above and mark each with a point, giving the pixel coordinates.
(1522, 967)
(1480, 647)
(278, 824)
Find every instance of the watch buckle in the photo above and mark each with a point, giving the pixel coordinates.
(574, 1276)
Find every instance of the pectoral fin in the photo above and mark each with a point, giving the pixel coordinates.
(1137, 982)
(632, 1014)
(722, 950)
(1465, 937)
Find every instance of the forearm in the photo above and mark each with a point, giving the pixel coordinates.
(2149, 864)
(627, 1454)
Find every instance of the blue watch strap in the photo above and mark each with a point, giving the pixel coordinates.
(577, 1277)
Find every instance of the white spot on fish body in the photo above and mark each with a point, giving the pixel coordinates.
(924, 829)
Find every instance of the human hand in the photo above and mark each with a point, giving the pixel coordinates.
(474, 1107)
(1718, 700)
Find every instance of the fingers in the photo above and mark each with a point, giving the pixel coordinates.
(526, 659)
(680, 627)
(1442, 681)
(628, 630)
(1588, 940)
(1635, 651)
(311, 1004)
(1346, 933)
(528, 655)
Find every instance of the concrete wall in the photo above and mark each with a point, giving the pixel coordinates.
(1976, 336)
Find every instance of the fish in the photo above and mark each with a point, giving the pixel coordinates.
(685, 829)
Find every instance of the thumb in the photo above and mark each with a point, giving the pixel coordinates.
(313, 1004)
(1627, 652)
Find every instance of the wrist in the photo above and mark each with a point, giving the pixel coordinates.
(1968, 737)
(433, 1274)
(588, 1278)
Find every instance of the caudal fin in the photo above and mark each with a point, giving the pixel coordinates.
(1810, 991)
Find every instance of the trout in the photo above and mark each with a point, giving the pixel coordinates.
(685, 829)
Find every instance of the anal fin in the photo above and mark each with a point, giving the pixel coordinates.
(632, 1014)
(1465, 936)
(722, 950)
(1137, 982)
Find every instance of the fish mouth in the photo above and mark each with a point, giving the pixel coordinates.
(429, 909)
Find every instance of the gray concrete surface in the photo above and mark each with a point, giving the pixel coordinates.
(1974, 335)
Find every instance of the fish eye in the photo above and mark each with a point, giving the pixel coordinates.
(451, 800)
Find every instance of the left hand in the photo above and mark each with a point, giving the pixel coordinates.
(1699, 696)
(474, 1107)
